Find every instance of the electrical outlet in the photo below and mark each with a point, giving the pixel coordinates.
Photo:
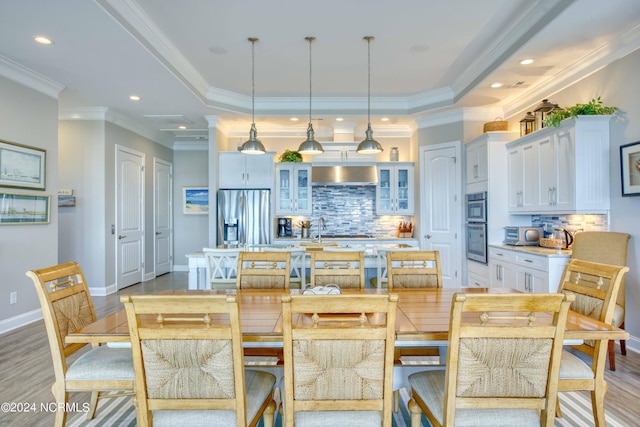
(13, 297)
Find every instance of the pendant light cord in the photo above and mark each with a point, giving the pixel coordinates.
(253, 41)
(310, 40)
(369, 38)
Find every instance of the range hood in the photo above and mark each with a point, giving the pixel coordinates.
(344, 175)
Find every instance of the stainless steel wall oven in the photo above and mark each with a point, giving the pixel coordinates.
(476, 227)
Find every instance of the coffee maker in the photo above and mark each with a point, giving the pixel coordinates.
(284, 227)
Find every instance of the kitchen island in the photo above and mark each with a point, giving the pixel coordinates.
(197, 264)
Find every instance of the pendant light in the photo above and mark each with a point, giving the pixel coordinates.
(253, 144)
(369, 145)
(310, 146)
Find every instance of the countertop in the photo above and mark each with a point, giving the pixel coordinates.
(537, 250)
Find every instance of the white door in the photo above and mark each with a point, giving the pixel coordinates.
(162, 215)
(440, 223)
(129, 217)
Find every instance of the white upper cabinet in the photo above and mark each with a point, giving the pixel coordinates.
(477, 161)
(342, 153)
(561, 170)
(394, 192)
(237, 170)
(293, 189)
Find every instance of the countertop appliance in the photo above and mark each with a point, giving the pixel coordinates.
(284, 227)
(522, 235)
(476, 227)
(243, 217)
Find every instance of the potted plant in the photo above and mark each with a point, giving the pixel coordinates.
(290, 156)
(592, 108)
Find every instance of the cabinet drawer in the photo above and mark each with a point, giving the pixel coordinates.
(532, 261)
(477, 281)
(502, 254)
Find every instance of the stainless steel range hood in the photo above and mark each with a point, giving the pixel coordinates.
(344, 175)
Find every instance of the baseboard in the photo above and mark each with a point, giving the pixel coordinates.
(183, 267)
(632, 344)
(149, 276)
(23, 319)
(102, 292)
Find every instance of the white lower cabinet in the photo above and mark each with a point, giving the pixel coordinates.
(525, 271)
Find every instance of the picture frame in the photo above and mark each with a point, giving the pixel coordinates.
(630, 169)
(22, 166)
(24, 209)
(195, 200)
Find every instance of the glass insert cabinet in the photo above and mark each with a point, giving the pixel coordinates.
(394, 192)
(293, 189)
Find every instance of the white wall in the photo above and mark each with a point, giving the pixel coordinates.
(31, 118)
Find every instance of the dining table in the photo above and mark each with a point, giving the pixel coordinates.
(422, 318)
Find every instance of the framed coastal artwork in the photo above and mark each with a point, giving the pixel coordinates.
(630, 169)
(16, 209)
(22, 166)
(195, 200)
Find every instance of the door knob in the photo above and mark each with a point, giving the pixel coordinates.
(157, 233)
(120, 237)
(428, 236)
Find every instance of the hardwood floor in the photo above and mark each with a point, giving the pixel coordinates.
(27, 375)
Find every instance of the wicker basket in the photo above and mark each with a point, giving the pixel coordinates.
(497, 125)
(550, 242)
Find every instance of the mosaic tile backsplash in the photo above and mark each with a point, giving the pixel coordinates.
(572, 222)
(349, 211)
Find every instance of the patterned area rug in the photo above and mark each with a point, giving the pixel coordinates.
(576, 411)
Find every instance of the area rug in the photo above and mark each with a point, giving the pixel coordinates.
(576, 411)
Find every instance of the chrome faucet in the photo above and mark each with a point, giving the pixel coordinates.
(321, 226)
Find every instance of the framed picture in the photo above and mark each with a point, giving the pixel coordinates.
(195, 200)
(630, 169)
(64, 201)
(22, 166)
(24, 209)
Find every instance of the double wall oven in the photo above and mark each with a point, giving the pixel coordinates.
(476, 226)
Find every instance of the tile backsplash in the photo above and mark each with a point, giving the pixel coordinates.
(592, 222)
(349, 211)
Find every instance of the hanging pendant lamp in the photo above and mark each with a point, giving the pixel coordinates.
(369, 145)
(253, 144)
(310, 146)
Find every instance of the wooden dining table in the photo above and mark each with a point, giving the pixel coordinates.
(422, 318)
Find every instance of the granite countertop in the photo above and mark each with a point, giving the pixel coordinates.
(372, 239)
(536, 250)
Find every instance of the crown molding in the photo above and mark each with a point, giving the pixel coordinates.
(191, 146)
(111, 116)
(480, 114)
(596, 60)
(29, 78)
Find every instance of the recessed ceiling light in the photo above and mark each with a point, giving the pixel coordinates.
(134, 98)
(43, 40)
(294, 119)
(496, 85)
(339, 119)
(526, 61)
(182, 127)
(385, 119)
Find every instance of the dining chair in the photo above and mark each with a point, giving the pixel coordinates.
(338, 359)
(189, 366)
(342, 268)
(502, 364)
(221, 267)
(263, 270)
(595, 287)
(298, 276)
(606, 247)
(413, 269)
(66, 307)
(381, 279)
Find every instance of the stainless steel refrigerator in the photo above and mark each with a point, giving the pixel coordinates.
(243, 217)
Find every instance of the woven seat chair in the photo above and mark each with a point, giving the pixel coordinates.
(187, 353)
(66, 307)
(595, 287)
(608, 248)
(222, 267)
(298, 276)
(342, 268)
(413, 269)
(381, 280)
(502, 364)
(338, 359)
(264, 270)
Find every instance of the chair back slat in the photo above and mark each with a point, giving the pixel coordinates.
(221, 267)
(414, 269)
(342, 268)
(264, 270)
